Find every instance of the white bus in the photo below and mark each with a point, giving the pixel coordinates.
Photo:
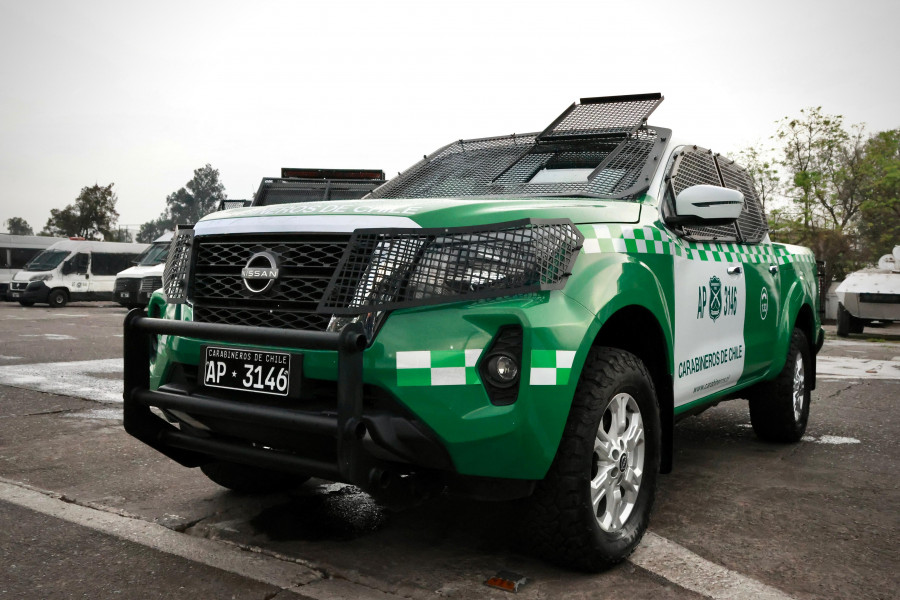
(16, 251)
(72, 270)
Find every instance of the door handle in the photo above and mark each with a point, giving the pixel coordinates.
(773, 269)
(735, 270)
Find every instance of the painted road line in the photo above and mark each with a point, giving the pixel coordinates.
(684, 568)
(839, 367)
(76, 379)
(256, 566)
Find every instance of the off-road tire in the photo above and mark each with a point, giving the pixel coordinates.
(847, 323)
(564, 525)
(57, 299)
(773, 412)
(250, 480)
(26, 302)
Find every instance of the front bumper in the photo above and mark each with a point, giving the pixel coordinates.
(363, 442)
(126, 290)
(27, 291)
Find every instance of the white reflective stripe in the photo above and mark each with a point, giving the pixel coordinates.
(543, 376)
(564, 359)
(472, 357)
(414, 360)
(592, 245)
(301, 223)
(448, 376)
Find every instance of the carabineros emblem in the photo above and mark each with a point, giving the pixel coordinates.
(715, 298)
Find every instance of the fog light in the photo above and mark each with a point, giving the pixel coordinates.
(503, 370)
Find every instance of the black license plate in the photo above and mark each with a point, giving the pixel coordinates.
(249, 370)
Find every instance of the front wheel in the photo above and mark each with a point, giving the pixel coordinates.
(779, 409)
(57, 299)
(593, 507)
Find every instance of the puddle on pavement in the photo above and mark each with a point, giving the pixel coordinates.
(338, 514)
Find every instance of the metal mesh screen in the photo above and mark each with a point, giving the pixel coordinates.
(752, 222)
(611, 116)
(398, 268)
(178, 262)
(697, 166)
(505, 166)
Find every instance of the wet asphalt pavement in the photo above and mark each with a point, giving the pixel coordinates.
(818, 519)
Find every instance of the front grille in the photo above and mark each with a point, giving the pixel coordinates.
(151, 284)
(306, 264)
(126, 284)
(18, 285)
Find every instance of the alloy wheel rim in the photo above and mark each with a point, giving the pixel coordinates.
(617, 467)
(799, 392)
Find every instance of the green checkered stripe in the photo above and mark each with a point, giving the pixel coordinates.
(628, 239)
(654, 240)
(551, 367)
(438, 367)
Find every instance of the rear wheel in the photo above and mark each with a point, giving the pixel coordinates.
(779, 409)
(593, 507)
(250, 480)
(57, 299)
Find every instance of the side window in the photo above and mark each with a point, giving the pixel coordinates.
(695, 166)
(104, 263)
(19, 257)
(79, 263)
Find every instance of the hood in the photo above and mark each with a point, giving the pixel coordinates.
(427, 212)
(145, 271)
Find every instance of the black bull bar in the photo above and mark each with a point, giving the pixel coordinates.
(354, 464)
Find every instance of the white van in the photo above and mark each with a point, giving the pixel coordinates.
(16, 251)
(72, 270)
(135, 284)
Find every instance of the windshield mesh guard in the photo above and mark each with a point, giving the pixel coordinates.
(384, 269)
(600, 149)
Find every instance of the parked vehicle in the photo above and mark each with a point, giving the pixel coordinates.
(16, 251)
(72, 270)
(870, 295)
(134, 285)
(514, 316)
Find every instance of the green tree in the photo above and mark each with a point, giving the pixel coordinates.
(18, 226)
(200, 196)
(93, 215)
(879, 225)
(821, 161)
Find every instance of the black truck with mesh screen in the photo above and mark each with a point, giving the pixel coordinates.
(600, 148)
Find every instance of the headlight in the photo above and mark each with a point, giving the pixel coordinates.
(451, 267)
(44, 277)
(178, 263)
(398, 268)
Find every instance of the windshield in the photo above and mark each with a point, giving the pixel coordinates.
(46, 260)
(154, 255)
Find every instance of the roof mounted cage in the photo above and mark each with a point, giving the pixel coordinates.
(311, 185)
(600, 148)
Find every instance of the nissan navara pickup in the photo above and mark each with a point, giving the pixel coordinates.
(516, 316)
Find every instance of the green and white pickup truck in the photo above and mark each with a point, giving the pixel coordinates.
(526, 315)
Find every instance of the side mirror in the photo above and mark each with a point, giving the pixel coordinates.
(706, 205)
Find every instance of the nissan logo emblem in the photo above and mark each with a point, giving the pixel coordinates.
(260, 272)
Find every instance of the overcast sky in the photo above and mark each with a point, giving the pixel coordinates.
(141, 94)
